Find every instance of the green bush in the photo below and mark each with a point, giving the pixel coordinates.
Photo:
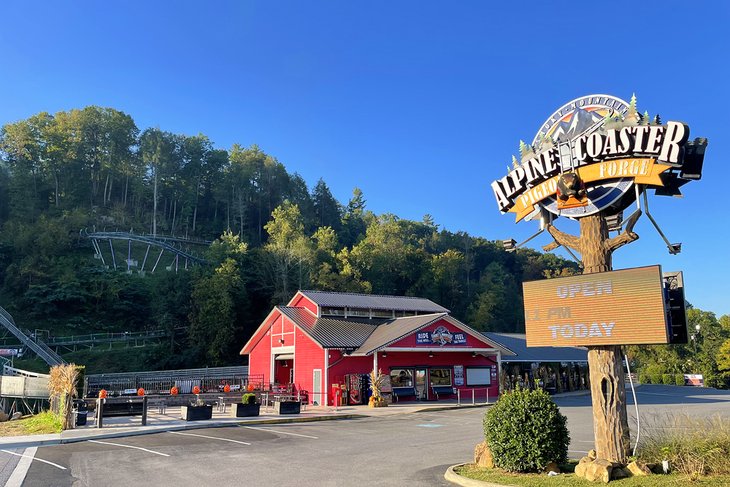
(656, 378)
(644, 378)
(667, 379)
(525, 431)
(678, 379)
(249, 398)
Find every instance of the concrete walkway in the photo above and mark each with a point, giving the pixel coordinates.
(115, 427)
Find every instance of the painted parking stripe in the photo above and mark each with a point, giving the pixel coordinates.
(209, 437)
(128, 446)
(577, 451)
(32, 457)
(280, 432)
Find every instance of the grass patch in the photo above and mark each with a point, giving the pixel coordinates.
(694, 446)
(40, 424)
(498, 476)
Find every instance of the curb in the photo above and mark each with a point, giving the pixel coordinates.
(194, 425)
(457, 479)
(451, 408)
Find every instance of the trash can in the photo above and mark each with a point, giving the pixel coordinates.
(81, 412)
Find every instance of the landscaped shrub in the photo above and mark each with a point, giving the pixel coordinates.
(667, 379)
(525, 431)
(249, 398)
(678, 379)
(656, 378)
(644, 378)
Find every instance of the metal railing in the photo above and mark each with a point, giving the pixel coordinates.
(35, 344)
(212, 379)
(92, 338)
(473, 395)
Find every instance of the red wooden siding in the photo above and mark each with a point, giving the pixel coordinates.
(303, 302)
(259, 360)
(282, 329)
(307, 357)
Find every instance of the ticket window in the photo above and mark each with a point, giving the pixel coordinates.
(401, 377)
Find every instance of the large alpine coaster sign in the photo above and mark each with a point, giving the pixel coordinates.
(623, 307)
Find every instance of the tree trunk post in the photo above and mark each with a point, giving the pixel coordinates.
(606, 373)
(608, 395)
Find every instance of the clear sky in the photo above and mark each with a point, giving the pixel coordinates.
(420, 104)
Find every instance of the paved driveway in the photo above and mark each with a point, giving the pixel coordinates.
(411, 449)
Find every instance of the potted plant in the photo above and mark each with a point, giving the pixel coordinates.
(248, 406)
(288, 406)
(198, 409)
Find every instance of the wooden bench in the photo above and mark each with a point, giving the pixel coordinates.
(443, 390)
(399, 392)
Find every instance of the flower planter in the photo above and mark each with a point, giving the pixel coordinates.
(196, 413)
(240, 410)
(287, 407)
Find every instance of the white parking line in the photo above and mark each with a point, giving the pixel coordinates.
(280, 432)
(31, 456)
(577, 451)
(210, 437)
(128, 446)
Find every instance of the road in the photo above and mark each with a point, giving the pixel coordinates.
(413, 449)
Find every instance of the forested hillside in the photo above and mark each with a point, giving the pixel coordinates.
(93, 168)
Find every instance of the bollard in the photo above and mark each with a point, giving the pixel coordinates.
(99, 412)
(144, 410)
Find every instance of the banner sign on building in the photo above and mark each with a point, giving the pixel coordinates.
(440, 336)
(8, 352)
(624, 307)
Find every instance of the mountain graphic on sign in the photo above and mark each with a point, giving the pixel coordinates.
(579, 122)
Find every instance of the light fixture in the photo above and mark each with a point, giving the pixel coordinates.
(509, 245)
(384, 355)
(281, 340)
(430, 354)
(473, 354)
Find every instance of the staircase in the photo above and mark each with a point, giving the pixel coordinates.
(35, 344)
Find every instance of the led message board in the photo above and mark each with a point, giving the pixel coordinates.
(625, 307)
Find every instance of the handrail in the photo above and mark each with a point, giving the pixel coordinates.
(106, 337)
(37, 345)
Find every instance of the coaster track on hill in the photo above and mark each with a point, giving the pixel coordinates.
(177, 247)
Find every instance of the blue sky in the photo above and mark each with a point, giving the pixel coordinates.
(420, 104)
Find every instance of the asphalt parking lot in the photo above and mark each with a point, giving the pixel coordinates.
(413, 449)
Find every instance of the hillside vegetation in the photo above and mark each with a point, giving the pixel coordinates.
(92, 168)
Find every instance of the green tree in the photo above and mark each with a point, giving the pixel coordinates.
(326, 208)
(288, 253)
(215, 299)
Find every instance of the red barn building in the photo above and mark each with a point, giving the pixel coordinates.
(322, 340)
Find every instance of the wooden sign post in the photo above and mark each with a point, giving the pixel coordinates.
(591, 159)
(608, 394)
